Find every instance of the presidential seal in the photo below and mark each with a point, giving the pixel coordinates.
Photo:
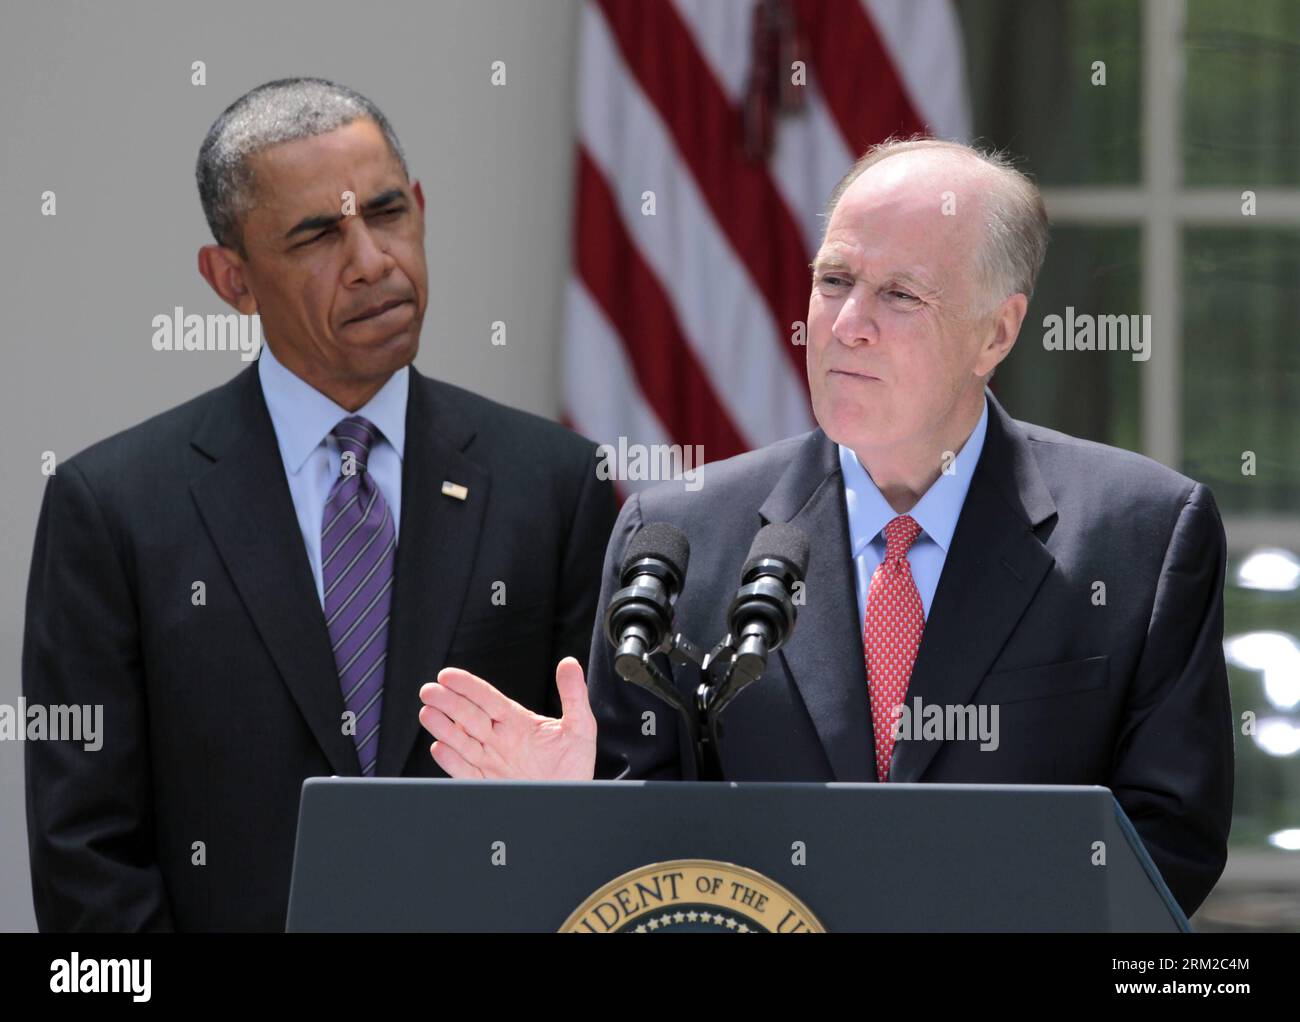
(692, 896)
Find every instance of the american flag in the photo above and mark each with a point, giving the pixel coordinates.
(709, 135)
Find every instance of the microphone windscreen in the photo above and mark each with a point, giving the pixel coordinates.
(662, 541)
(781, 541)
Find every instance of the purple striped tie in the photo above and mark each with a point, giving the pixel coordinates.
(358, 545)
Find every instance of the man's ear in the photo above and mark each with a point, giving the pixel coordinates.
(418, 192)
(1007, 320)
(223, 269)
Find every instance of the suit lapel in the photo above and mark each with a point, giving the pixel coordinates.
(435, 558)
(244, 502)
(824, 655)
(993, 569)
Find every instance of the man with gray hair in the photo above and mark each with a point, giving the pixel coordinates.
(959, 558)
(255, 585)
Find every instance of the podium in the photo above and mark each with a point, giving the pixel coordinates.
(415, 855)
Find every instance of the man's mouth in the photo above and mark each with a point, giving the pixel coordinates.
(377, 310)
(854, 373)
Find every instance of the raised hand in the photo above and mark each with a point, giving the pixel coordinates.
(482, 733)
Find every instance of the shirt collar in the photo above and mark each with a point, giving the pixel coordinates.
(303, 416)
(937, 510)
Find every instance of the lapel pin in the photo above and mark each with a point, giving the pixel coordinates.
(450, 489)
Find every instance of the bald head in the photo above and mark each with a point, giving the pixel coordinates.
(972, 198)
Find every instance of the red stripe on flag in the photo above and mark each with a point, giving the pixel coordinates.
(661, 52)
(674, 383)
(863, 90)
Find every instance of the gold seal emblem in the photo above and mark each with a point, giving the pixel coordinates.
(692, 895)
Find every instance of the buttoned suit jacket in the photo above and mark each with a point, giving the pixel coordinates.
(1082, 594)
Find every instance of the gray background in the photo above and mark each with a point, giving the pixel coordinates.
(98, 107)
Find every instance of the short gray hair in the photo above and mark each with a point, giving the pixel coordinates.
(284, 110)
(1015, 219)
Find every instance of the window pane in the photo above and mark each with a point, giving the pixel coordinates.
(1031, 69)
(1092, 394)
(1240, 123)
(1241, 365)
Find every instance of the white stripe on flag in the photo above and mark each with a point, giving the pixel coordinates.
(810, 155)
(924, 41)
(722, 314)
(810, 158)
(721, 29)
(601, 393)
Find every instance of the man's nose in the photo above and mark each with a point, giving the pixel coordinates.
(367, 262)
(855, 322)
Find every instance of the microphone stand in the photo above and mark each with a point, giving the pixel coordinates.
(700, 715)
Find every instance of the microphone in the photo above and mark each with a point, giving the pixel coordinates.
(762, 615)
(640, 615)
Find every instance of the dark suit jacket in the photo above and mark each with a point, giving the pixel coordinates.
(1132, 695)
(214, 715)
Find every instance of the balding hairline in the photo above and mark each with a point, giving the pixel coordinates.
(1014, 217)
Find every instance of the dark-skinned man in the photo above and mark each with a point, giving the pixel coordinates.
(355, 525)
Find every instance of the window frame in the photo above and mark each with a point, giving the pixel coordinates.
(1161, 208)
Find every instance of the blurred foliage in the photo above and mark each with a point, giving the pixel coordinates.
(1031, 71)
(1092, 394)
(1241, 99)
(1241, 369)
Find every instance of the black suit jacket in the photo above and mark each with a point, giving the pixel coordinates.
(215, 714)
(1132, 695)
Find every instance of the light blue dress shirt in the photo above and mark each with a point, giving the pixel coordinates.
(936, 512)
(303, 417)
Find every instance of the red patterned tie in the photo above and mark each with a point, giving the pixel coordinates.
(892, 634)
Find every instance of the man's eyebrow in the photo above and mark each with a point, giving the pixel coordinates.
(829, 260)
(383, 199)
(319, 223)
(903, 277)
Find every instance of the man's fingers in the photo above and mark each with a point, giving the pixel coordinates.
(573, 690)
(468, 715)
(446, 730)
(453, 762)
(477, 691)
